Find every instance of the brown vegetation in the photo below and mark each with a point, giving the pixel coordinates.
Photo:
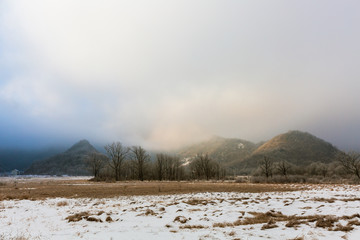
(180, 219)
(77, 217)
(62, 203)
(270, 219)
(193, 227)
(269, 224)
(84, 215)
(50, 188)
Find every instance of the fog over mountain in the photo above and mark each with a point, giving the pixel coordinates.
(164, 74)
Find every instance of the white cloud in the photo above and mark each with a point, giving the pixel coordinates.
(164, 73)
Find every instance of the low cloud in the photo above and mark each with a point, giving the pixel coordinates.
(165, 74)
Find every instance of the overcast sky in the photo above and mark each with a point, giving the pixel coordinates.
(165, 73)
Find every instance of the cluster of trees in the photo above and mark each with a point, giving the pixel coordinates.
(134, 163)
(346, 165)
(119, 163)
(203, 167)
(168, 167)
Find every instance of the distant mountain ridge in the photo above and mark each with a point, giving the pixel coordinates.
(21, 159)
(296, 147)
(71, 162)
(237, 155)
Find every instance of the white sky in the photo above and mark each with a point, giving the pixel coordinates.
(167, 73)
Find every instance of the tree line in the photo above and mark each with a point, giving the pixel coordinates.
(134, 163)
(344, 166)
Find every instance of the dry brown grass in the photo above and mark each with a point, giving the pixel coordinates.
(180, 219)
(194, 202)
(354, 222)
(332, 200)
(326, 222)
(270, 219)
(77, 217)
(93, 219)
(351, 216)
(100, 213)
(46, 188)
(223, 224)
(350, 199)
(82, 215)
(192, 227)
(342, 228)
(262, 218)
(270, 224)
(297, 238)
(3, 237)
(294, 223)
(150, 212)
(62, 203)
(327, 200)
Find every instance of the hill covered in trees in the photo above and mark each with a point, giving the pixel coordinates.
(71, 162)
(295, 147)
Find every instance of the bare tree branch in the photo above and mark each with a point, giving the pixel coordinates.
(96, 161)
(140, 158)
(117, 155)
(266, 166)
(350, 163)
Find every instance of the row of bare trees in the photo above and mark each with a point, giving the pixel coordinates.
(130, 163)
(124, 163)
(120, 162)
(168, 167)
(268, 167)
(203, 167)
(345, 165)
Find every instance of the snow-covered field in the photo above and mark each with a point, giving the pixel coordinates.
(324, 212)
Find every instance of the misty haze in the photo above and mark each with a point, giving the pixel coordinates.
(182, 119)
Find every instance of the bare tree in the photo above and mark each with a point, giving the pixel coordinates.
(283, 168)
(203, 166)
(96, 161)
(266, 166)
(172, 167)
(117, 154)
(350, 163)
(140, 158)
(160, 165)
(323, 169)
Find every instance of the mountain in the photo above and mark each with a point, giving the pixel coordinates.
(225, 150)
(70, 162)
(21, 159)
(295, 147)
(298, 148)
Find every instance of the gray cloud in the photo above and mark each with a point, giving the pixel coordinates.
(165, 73)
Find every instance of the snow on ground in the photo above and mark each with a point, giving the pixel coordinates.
(36, 178)
(186, 216)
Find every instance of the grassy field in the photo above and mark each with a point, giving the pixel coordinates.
(64, 208)
(36, 189)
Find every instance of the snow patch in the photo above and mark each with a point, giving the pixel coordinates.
(183, 216)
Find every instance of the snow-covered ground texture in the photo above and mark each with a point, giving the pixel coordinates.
(324, 212)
